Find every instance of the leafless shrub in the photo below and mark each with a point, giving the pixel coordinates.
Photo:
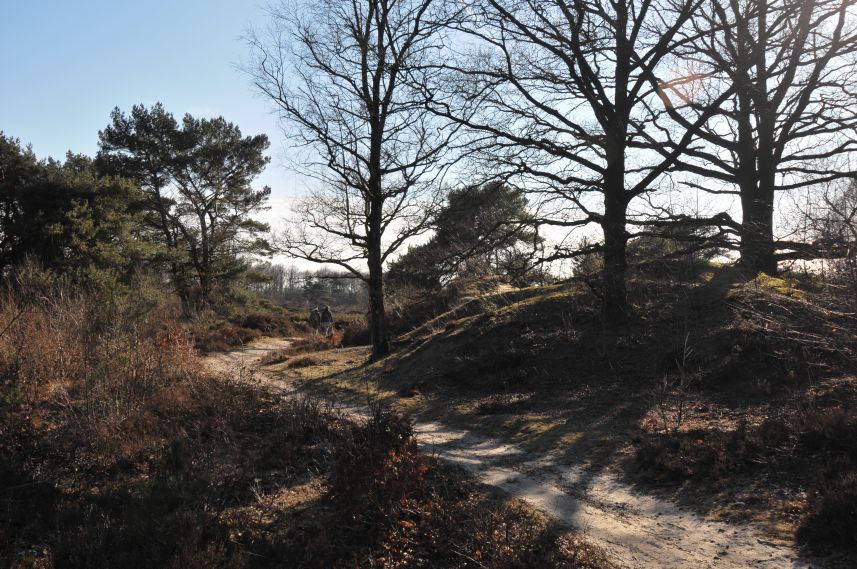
(93, 357)
(672, 391)
(800, 329)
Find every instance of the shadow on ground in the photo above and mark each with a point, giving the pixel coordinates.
(541, 371)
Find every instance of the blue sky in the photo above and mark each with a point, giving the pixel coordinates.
(66, 64)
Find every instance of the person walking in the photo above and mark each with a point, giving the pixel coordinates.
(326, 321)
(315, 318)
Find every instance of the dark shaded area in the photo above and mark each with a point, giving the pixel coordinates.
(761, 367)
(813, 451)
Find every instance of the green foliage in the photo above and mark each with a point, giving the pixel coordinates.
(482, 230)
(67, 216)
(195, 178)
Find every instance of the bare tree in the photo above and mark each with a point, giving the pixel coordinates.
(560, 95)
(827, 221)
(340, 74)
(791, 120)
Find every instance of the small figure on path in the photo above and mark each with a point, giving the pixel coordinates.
(326, 321)
(315, 318)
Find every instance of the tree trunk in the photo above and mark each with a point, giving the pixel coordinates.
(615, 302)
(377, 312)
(204, 268)
(166, 227)
(757, 186)
(757, 232)
(756, 168)
(204, 289)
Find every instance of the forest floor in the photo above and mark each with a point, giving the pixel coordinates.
(572, 470)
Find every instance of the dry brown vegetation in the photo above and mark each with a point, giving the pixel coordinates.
(117, 449)
(733, 396)
(772, 429)
(311, 343)
(216, 333)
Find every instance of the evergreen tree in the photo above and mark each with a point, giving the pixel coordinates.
(196, 177)
(67, 216)
(482, 230)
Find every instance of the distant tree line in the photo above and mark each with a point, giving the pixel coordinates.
(287, 285)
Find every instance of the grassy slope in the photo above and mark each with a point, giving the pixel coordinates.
(761, 370)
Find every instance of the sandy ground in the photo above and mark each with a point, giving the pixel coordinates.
(636, 530)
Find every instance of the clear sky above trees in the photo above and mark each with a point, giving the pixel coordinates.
(66, 65)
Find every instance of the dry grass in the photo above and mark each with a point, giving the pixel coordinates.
(394, 507)
(770, 432)
(727, 394)
(795, 468)
(311, 343)
(832, 523)
(223, 337)
(93, 363)
(118, 450)
(98, 393)
(213, 333)
(304, 361)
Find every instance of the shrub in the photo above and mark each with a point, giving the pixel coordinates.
(410, 511)
(832, 522)
(304, 361)
(308, 344)
(378, 464)
(118, 450)
(356, 334)
(99, 359)
(96, 383)
(222, 337)
(831, 436)
(271, 323)
(810, 451)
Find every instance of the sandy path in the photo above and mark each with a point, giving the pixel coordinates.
(636, 530)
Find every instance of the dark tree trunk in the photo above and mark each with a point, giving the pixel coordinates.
(377, 312)
(757, 232)
(166, 228)
(757, 163)
(615, 307)
(204, 265)
(204, 289)
(757, 185)
(615, 303)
